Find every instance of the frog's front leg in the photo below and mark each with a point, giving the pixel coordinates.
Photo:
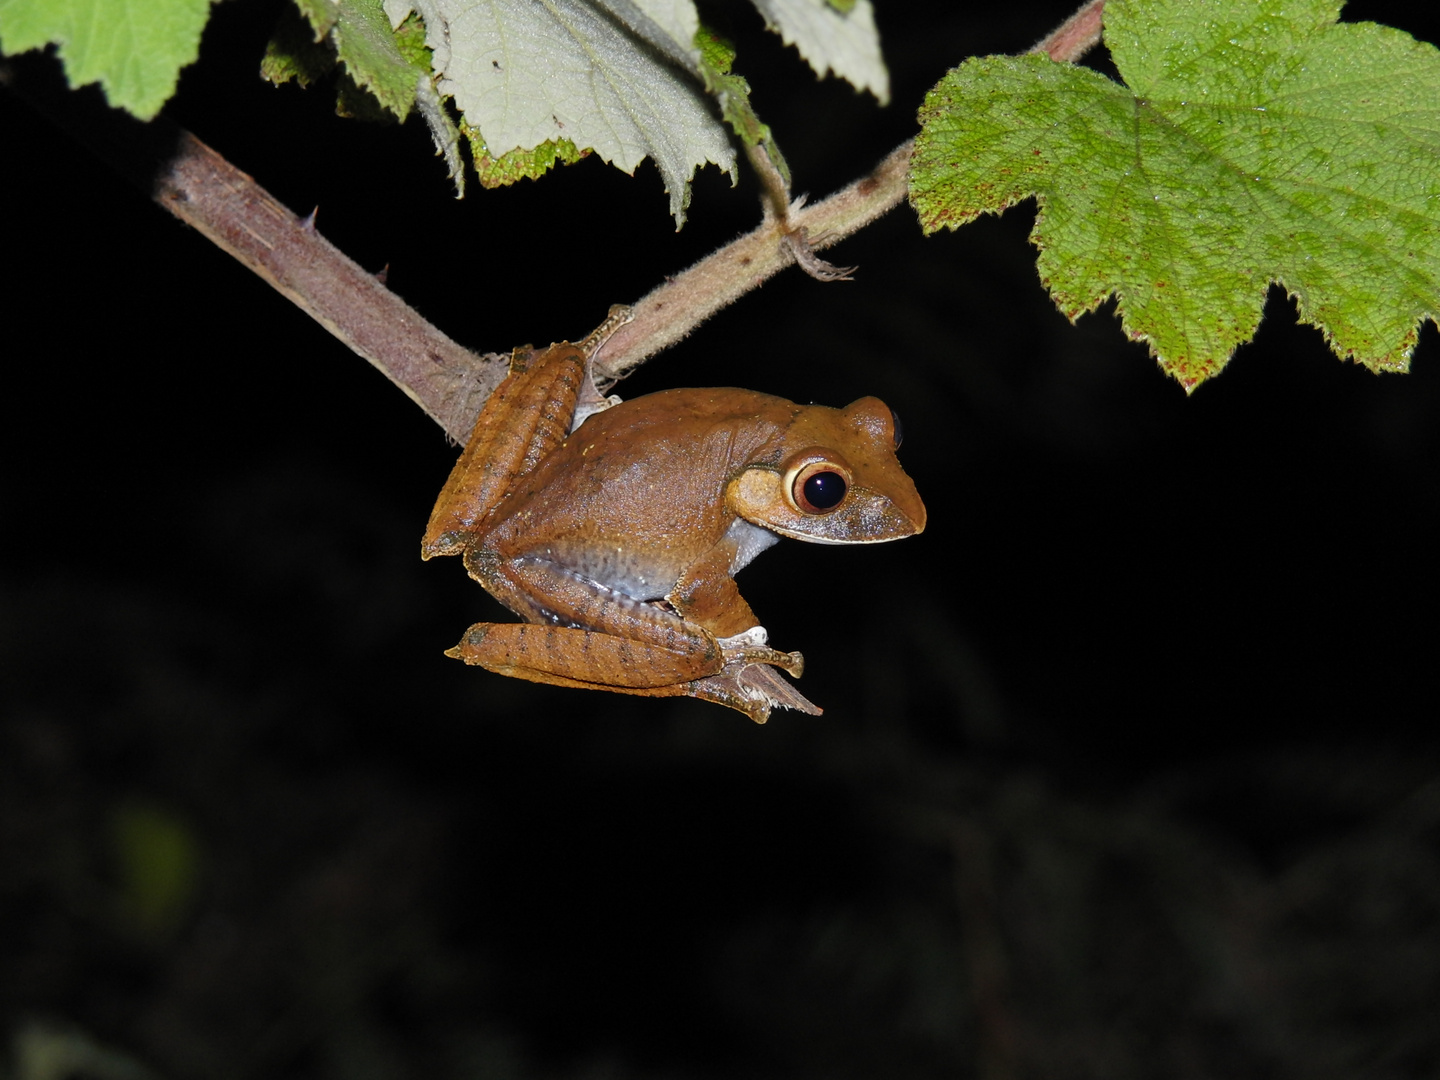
(713, 601)
(707, 595)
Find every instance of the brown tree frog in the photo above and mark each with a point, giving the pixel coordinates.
(618, 542)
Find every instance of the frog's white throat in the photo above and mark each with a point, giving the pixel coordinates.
(749, 540)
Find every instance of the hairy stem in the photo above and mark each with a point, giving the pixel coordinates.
(1076, 36)
(675, 308)
(448, 381)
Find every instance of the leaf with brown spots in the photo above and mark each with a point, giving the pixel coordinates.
(1249, 144)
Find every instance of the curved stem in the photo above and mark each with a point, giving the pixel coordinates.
(669, 312)
(1076, 36)
(450, 382)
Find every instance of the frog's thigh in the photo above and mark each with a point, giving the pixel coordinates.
(541, 590)
(526, 417)
(571, 657)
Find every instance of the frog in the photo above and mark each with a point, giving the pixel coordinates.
(614, 530)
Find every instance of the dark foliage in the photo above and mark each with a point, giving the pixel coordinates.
(1129, 765)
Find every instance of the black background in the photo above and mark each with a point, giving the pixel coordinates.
(1128, 765)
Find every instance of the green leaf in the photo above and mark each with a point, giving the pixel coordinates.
(732, 93)
(389, 63)
(1251, 143)
(410, 40)
(833, 36)
(387, 69)
(367, 47)
(526, 73)
(294, 53)
(134, 50)
(321, 14)
(518, 164)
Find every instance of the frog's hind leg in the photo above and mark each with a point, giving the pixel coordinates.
(587, 660)
(529, 414)
(580, 633)
(567, 656)
(526, 417)
(753, 689)
(570, 599)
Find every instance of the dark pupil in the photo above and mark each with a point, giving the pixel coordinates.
(899, 432)
(824, 490)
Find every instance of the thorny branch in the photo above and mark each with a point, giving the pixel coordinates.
(450, 382)
(445, 379)
(675, 308)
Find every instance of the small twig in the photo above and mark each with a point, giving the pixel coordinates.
(1076, 36)
(780, 212)
(798, 241)
(774, 190)
(671, 311)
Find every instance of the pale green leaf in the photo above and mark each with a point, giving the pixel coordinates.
(134, 51)
(673, 27)
(1251, 143)
(833, 37)
(526, 73)
(669, 25)
(388, 62)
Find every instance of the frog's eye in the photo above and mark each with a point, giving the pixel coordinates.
(896, 428)
(819, 487)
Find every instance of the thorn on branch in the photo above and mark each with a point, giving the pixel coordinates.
(781, 209)
(798, 244)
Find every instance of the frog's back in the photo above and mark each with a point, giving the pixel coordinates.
(676, 436)
(691, 412)
(643, 484)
